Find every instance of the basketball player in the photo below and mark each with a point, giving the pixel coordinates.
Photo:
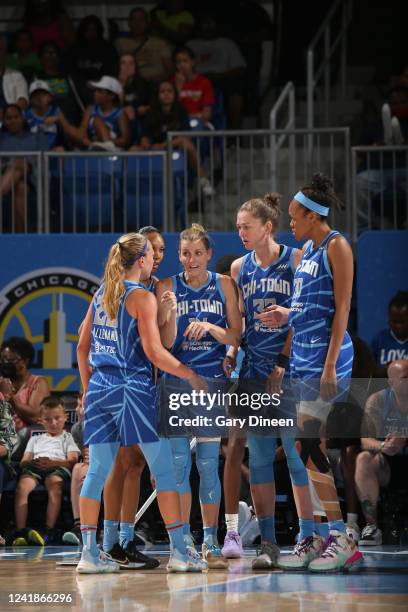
(322, 351)
(205, 319)
(264, 276)
(122, 488)
(121, 339)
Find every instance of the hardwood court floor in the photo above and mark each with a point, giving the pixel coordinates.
(380, 583)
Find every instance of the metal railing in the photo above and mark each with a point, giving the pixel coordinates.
(286, 99)
(238, 165)
(331, 36)
(20, 192)
(379, 188)
(204, 179)
(95, 191)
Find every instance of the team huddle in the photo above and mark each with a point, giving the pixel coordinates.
(284, 311)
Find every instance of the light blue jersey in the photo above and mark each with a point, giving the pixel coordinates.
(206, 303)
(111, 120)
(311, 316)
(116, 344)
(261, 287)
(37, 124)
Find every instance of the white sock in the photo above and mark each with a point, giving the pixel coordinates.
(352, 518)
(232, 522)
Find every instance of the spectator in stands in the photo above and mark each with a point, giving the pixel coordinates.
(78, 476)
(168, 114)
(16, 356)
(90, 57)
(220, 60)
(136, 91)
(47, 20)
(15, 172)
(24, 58)
(13, 86)
(392, 343)
(195, 90)
(48, 459)
(8, 436)
(43, 115)
(152, 53)
(105, 125)
(384, 460)
(172, 21)
(60, 83)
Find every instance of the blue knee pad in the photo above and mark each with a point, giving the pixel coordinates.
(180, 448)
(207, 458)
(160, 461)
(101, 459)
(297, 469)
(262, 450)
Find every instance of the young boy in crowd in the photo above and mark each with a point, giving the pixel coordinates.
(48, 459)
(43, 115)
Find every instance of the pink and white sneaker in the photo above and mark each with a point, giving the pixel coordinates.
(340, 552)
(232, 548)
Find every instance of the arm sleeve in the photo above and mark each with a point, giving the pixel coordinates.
(30, 445)
(70, 444)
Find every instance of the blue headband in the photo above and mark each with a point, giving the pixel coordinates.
(311, 204)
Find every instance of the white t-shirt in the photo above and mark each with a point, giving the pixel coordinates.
(52, 447)
(216, 56)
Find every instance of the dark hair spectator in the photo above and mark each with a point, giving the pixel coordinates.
(60, 83)
(152, 53)
(136, 91)
(23, 57)
(195, 90)
(167, 114)
(91, 57)
(16, 357)
(391, 343)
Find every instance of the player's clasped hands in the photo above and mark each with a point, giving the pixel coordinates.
(169, 300)
(273, 316)
(196, 330)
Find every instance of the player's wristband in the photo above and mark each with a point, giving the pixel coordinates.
(282, 361)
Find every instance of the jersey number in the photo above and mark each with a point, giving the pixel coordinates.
(261, 304)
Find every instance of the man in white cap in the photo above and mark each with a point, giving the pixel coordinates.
(45, 116)
(105, 124)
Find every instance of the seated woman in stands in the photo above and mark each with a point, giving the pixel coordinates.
(168, 114)
(15, 171)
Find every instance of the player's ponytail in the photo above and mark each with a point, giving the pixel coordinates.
(122, 255)
(196, 232)
(266, 209)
